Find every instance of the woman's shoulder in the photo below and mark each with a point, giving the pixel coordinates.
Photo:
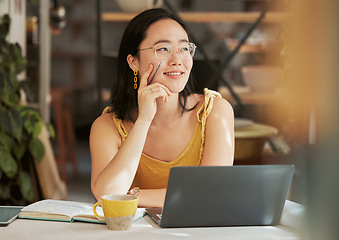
(220, 105)
(221, 111)
(104, 123)
(105, 119)
(103, 129)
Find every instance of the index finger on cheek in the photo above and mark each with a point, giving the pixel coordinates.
(145, 76)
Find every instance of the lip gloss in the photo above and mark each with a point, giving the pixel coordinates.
(154, 74)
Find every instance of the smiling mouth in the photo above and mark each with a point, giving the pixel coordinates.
(174, 73)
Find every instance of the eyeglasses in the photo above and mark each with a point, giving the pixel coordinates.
(164, 51)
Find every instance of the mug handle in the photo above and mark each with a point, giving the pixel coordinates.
(95, 212)
(158, 3)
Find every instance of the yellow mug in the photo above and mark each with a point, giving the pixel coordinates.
(119, 210)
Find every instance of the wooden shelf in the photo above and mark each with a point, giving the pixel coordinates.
(207, 17)
(253, 98)
(251, 48)
(256, 98)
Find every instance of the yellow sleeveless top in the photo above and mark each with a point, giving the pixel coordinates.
(153, 173)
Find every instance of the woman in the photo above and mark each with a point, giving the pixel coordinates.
(155, 122)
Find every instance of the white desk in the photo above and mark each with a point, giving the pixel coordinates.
(142, 229)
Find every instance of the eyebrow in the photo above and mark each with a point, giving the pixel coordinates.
(167, 41)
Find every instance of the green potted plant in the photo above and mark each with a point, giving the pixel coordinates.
(20, 126)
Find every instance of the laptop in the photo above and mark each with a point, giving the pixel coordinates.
(210, 196)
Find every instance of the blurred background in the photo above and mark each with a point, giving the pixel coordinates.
(80, 79)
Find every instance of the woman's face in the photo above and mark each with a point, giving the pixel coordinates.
(174, 71)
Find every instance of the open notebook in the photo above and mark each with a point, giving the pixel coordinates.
(224, 196)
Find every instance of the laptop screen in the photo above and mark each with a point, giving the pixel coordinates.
(226, 196)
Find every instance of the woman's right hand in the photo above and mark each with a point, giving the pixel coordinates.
(147, 95)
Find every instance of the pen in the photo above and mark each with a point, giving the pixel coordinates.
(143, 215)
(154, 73)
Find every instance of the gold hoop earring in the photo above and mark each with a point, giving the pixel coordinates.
(135, 79)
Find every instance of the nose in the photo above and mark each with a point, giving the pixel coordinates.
(175, 58)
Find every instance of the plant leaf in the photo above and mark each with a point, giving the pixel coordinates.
(8, 164)
(37, 149)
(37, 129)
(9, 95)
(20, 61)
(26, 186)
(19, 150)
(3, 87)
(6, 22)
(16, 123)
(6, 122)
(5, 141)
(29, 111)
(51, 130)
(28, 125)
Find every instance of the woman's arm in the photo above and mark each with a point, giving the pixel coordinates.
(114, 166)
(152, 197)
(219, 135)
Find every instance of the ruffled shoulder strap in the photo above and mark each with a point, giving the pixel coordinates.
(203, 113)
(206, 108)
(118, 123)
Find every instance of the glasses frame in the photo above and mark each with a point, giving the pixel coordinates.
(155, 51)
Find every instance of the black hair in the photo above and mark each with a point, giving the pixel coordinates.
(123, 95)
